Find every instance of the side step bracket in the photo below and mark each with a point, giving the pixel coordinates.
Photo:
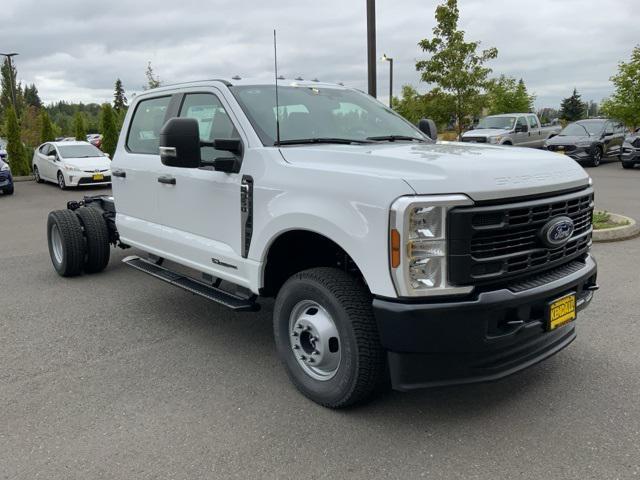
(191, 285)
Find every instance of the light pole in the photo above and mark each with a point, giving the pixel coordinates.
(11, 79)
(371, 46)
(390, 60)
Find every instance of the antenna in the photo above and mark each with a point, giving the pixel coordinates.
(275, 61)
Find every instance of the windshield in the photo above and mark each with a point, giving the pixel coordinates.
(331, 114)
(581, 129)
(79, 151)
(505, 123)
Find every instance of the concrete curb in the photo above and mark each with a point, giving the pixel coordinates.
(26, 178)
(616, 234)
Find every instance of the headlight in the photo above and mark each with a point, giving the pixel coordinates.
(584, 143)
(71, 168)
(494, 139)
(418, 245)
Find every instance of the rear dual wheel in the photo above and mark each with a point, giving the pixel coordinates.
(78, 241)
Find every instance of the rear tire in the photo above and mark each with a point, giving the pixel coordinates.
(66, 244)
(96, 234)
(348, 361)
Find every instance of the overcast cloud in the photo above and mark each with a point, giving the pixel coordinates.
(74, 50)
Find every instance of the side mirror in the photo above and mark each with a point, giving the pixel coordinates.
(428, 127)
(180, 143)
(53, 158)
(521, 128)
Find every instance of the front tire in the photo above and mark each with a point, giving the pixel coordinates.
(628, 165)
(327, 338)
(596, 157)
(61, 183)
(96, 234)
(8, 190)
(36, 174)
(66, 243)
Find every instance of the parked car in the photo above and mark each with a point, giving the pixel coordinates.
(390, 256)
(519, 129)
(631, 150)
(589, 141)
(71, 164)
(6, 179)
(95, 139)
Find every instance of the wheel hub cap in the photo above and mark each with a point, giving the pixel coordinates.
(56, 243)
(314, 340)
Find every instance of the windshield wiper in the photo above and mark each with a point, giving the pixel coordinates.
(394, 138)
(301, 141)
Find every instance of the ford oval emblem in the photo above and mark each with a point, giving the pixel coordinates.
(557, 231)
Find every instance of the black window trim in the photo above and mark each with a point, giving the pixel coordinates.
(133, 116)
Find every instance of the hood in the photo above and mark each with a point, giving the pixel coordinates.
(91, 163)
(486, 132)
(569, 139)
(482, 172)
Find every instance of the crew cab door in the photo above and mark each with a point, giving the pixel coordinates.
(535, 132)
(199, 208)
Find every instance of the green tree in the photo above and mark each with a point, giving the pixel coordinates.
(31, 97)
(435, 105)
(573, 108)
(109, 131)
(505, 95)
(78, 127)
(46, 128)
(8, 82)
(119, 99)
(455, 66)
(153, 81)
(15, 149)
(624, 104)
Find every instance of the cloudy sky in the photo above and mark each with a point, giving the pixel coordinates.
(74, 50)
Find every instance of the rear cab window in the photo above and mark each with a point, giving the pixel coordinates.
(144, 130)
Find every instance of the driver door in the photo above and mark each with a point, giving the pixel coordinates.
(521, 135)
(200, 207)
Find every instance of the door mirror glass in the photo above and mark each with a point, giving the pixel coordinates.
(428, 127)
(180, 143)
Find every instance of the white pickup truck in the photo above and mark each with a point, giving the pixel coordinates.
(518, 129)
(392, 258)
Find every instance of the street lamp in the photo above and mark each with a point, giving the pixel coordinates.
(371, 46)
(390, 60)
(11, 79)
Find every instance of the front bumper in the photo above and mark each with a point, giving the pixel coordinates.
(580, 154)
(630, 156)
(493, 335)
(77, 179)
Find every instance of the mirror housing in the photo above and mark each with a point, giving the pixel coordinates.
(180, 143)
(428, 127)
(53, 158)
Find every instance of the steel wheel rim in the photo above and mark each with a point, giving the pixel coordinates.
(314, 340)
(56, 243)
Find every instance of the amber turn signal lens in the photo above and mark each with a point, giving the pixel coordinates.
(395, 248)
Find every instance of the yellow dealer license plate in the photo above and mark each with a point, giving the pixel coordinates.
(562, 311)
(97, 177)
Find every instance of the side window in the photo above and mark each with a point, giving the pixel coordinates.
(213, 121)
(533, 123)
(522, 123)
(144, 132)
(44, 149)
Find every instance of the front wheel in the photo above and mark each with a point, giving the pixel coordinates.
(628, 165)
(61, 183)
(8, 190)
(596, 157)
(327, 338)
(36, 175)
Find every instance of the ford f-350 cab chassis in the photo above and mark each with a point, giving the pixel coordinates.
(391, 257)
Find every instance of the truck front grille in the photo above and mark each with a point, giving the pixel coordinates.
(492, 244)
(474, 139)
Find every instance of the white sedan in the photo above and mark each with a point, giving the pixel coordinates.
(71, 164)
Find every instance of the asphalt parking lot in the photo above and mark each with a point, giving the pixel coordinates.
(117, 375)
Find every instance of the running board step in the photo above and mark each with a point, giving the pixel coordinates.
(191, 285)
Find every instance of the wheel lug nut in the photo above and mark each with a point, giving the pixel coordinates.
(299, 327)
(311, 360)
(296, 347)
(316, 352)
(294, 334)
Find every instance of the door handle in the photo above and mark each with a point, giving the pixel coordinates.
(167, 179)
(119, 173)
